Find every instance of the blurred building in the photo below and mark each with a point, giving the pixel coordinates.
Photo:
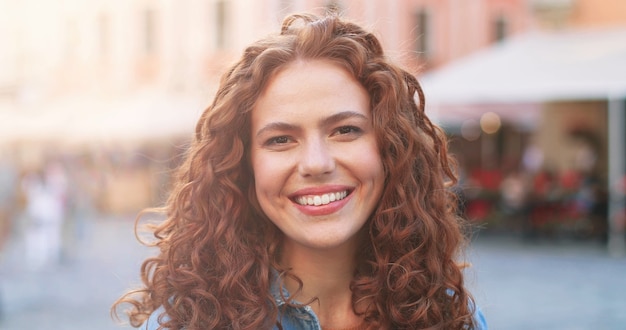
(125, 80)
(551, 104)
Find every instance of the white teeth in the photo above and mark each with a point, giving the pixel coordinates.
(324, 199)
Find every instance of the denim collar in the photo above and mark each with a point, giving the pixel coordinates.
(276, 288)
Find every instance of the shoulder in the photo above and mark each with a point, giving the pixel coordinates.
(480, 323)
(152, 323)
(479, 319)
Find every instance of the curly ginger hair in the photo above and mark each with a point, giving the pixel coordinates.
(218, 251)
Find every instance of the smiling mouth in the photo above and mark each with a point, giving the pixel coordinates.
(317, 200)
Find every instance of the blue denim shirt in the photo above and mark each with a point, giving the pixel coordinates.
(303, 318)
(294, 318)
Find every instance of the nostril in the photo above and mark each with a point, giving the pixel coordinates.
(317, 163)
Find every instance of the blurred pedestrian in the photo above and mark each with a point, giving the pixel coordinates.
(9, 189)
(314, 196)
(84, 187)
(514, 195)
(44, 191)
(9, 195)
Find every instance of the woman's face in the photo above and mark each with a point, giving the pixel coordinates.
(317, 169)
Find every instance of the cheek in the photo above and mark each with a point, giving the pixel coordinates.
(257, 172)
(370, 163)
(376, 172)
(266, 176)
(261, 189)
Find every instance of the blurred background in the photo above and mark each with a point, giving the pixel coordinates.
(99, 98)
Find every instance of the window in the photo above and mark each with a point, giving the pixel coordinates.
(221, 12)
(103, 34)
(149, 31)
(500, 29)
(73, 36)
(423, 33)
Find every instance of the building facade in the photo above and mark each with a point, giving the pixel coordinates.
(53, 48)
(80, 60)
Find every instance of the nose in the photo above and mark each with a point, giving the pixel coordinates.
(316, 158)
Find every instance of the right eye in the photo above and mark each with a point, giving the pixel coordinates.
(277, 140)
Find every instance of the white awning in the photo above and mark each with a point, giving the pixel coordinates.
(536, 67)
(84, 120)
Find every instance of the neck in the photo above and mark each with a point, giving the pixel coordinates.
(326, 277)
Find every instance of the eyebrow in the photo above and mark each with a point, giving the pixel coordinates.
(282, 126)
(276, 126)
(342, 116)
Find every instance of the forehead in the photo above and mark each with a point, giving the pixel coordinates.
(311, 87)
(310, 70)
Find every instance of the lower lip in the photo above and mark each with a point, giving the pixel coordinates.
(327, 209)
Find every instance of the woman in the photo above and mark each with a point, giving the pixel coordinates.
(314, 196)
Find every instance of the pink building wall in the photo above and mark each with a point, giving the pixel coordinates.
(598, 13)
(460, 27)
(456, 27)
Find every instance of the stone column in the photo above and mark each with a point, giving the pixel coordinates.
(617, 176)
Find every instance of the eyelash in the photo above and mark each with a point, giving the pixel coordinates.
(275, 140)
(348, 130)
(342, 130)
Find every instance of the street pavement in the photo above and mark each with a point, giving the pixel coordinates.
(540, 285)
(567, 285)
(77, 293)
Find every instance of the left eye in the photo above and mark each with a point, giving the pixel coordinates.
(348, 130)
